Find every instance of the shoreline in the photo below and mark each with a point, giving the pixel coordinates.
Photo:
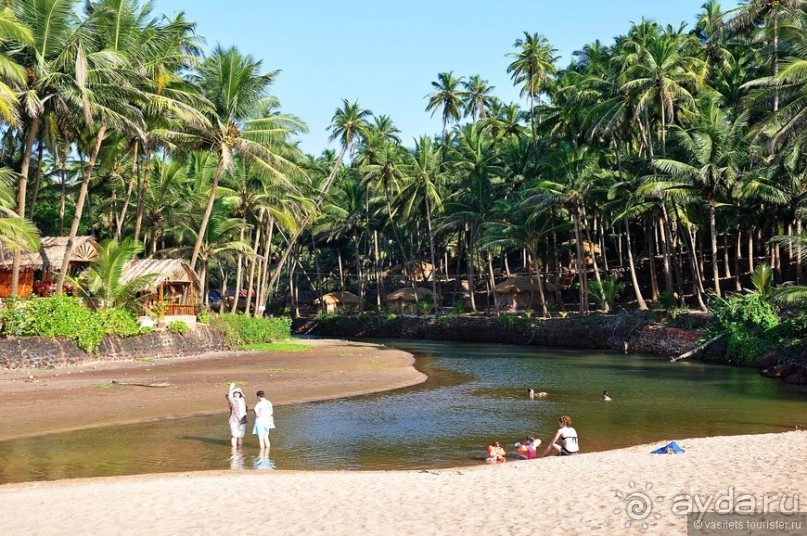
(587, 494)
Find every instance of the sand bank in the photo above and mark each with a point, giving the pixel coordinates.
(584, 494)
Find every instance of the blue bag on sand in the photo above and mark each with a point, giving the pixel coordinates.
(669, 448)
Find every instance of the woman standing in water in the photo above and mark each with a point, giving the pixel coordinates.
(264, 420)
(238, 415)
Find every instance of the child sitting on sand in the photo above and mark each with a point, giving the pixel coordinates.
(527, 449)
(496, 453)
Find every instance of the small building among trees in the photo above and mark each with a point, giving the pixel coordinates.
(38, 268)
(172, 293)
(342, 300)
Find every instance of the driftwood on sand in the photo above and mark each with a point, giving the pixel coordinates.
(696, 350)
(155, 384)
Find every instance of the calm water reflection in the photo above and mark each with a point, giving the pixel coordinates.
(475, 394)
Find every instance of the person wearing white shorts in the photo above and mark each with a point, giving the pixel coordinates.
(264, 420)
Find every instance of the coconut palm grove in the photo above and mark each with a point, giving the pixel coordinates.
(664, 169)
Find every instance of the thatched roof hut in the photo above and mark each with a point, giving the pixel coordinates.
(51, 254)
(416, 269)
(175, 284)
(523, 291)
(47, 259)
(338, 299)
(167, 270)
(402, 298)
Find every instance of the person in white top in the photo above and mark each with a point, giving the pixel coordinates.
(565, 440)
(238, 415)
(264, 420)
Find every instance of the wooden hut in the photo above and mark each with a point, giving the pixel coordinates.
(333, 301)
(174, 288)
(418, 270)
(38, 268)
(522, 292)
(406, 299)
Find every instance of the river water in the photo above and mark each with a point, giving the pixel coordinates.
(476, 393)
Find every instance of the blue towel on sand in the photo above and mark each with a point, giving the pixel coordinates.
(670, 448)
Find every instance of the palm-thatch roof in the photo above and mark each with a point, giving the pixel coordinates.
(418, 270)
(519, 285)
(407, 295)
(587, 246)
(167, 270)
(340, 297)
(51, 253)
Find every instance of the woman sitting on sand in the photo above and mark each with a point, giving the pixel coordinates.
(496, 453)
(565, 440)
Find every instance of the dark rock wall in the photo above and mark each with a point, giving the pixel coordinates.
(33, 352)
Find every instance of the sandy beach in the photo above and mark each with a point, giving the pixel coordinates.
(628, 491)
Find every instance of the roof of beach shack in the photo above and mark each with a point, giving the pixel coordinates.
(416, 269)
(587, 246)
(522, 284)
(406, 294)
(339, 297)
(51, 253)
(168, 270)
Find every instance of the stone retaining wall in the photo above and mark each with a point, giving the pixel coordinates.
(33, 352)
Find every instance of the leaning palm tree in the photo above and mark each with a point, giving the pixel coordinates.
(241, 123)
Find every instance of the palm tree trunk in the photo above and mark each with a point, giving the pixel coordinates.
(581, 263)
(141, 198)
(650, 238)
(129, 190)
(799, 269)
(438, 305)
(200, 237)
(30, 137)
(713, 236)
(38, 182)
(85, 184)
(263, 280)
(252, 264)
(471, 283)
(633, 279)
(238, 276)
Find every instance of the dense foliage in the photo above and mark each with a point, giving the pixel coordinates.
(241, 330)
(63, 316)
(669, 161)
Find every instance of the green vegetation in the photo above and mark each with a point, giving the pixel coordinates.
(658, 167)
(63, 316)
(241, 330)
(178, 326)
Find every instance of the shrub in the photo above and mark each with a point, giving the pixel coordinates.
(178, 326)
(119, 322)
(240, 330)
(203, 317)
(749, 323)
(59, 316)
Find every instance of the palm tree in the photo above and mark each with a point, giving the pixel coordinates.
(712, 160)
(241, 123)
(478, 99)
(447, 98)
(105, 279)
(532, 68)
(423, 173)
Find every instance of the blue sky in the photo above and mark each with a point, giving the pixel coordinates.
(385, 54)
